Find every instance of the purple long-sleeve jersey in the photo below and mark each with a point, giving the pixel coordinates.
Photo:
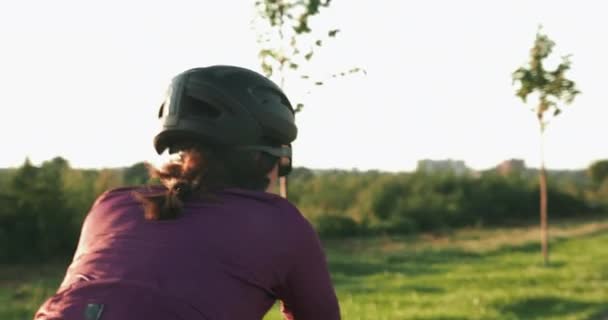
(227, 258)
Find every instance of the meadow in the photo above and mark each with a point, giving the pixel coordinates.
(474, 273)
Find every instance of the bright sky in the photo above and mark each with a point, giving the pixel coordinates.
(84, 79)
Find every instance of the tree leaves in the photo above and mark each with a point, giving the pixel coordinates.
(598, 171)
(289, 20)
(557, 112)
(289, 44)
(332, 33)
(551, 85)
(299, 107)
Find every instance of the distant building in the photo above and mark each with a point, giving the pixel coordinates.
(457, 167)
(511, 166)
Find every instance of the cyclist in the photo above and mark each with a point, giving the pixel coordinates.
(211, 242)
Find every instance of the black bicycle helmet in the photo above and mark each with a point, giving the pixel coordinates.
(227, 106)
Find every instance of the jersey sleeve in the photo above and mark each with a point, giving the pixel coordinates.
(308, 292)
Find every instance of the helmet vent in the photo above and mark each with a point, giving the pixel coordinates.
(161, 110)
(269, 96)
(199, 108)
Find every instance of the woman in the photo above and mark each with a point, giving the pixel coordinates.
(209, 243)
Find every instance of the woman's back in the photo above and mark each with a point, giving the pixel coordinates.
(227, 257)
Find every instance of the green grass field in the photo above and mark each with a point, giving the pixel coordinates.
(466, 274)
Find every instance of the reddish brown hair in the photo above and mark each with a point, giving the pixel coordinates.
(200, 172)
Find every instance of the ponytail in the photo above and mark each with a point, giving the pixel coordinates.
(201, 172)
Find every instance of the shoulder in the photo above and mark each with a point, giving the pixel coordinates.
(126, 194)
(117, 206)
(276, 208)
(294, 225)
(272, 201)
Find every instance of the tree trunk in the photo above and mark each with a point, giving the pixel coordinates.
(282, 180)
(544, 232)
(283, 186)
(543, 215)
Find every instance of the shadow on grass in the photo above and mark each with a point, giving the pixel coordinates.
(408, 264)
(434, 256)
(417, 262)
(601, 315)
(440, 318)
(358, 287)
(534, 246)
(547, 307)
(423, 289)
(432, 260)
(352, 273)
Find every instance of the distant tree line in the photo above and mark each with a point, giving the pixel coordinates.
(42, 207)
